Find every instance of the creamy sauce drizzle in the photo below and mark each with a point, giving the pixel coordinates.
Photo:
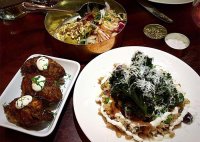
(180, 118)
(23, 101)
(119, 124)
(158, 120)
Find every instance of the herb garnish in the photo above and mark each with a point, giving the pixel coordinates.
(36, 80)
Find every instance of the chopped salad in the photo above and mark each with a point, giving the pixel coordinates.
(94, 27)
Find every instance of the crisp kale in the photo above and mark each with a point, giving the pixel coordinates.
(143, 90)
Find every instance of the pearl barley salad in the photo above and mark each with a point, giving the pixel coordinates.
(141, 100)
(94, 27)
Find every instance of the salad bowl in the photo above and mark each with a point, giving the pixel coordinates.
(81, 52)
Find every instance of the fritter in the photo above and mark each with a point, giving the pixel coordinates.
(50, 69)
(50, 92)
(28, 116)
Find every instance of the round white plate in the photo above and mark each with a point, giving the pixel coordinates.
(87, 90)
(172, 1)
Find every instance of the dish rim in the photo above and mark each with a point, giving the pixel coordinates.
(168, 2)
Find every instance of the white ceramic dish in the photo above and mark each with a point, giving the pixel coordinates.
(87, 90)
(172, 1)
(13, 90)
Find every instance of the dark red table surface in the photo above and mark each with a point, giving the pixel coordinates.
(26, 36)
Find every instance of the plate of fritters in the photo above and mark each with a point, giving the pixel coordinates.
(35, 97)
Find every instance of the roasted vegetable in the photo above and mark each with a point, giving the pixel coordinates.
(144, 90)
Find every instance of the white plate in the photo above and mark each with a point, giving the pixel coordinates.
(87, 90)
(13, 90)
(172, 1)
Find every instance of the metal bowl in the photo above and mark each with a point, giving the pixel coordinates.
(81, 53)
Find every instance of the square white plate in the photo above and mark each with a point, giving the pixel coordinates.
(13, 90)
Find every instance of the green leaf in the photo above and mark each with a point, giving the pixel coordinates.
(137, 98)
(106, 100)
(169, 119)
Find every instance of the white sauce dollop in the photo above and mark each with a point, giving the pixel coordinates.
(23, 101)
(38, 83)
(42, 63)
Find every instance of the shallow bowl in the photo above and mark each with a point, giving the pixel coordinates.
(82, 53)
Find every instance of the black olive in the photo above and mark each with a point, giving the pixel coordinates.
(188, 118)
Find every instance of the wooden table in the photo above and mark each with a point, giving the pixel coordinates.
(26, 36)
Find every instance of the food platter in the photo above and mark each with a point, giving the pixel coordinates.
(171, 1)
(87, 90)
(13, 90)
